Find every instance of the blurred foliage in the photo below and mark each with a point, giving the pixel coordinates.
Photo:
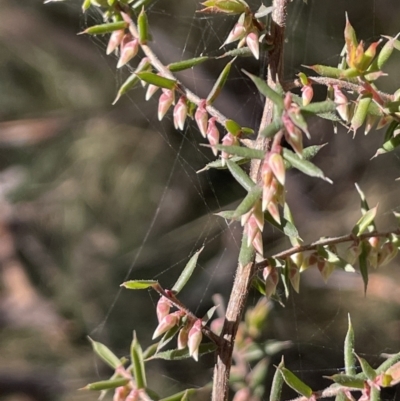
(90, 191)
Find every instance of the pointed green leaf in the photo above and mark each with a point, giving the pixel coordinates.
(349, 359)
(336, 260)
(240, 176)
(288, 218)
(104, 353)
(242, 151)
(308, 153)
(143, 27)
(226, 214)
(233, 127)
(187, 272)
(388, 363)
(325, 106)
(181, 396)
(271, 129)
(326, 71)
(219, 83)
(186, 64)
(221, 163)
(366, 368)
(139, 372)
(246, 254)
(363, 263)
(277, 383)
(150, 351)
(286, 226)
(168, 337)
(259, 285)
(106, 384)
(295, 383)
(248, 202)
(304, 166)
(106, 28)
(156, 80)
(139, 284)
(300, 122)
(365, 221)
(240, 52)
(178, 354)
(364, 203)
(347, 381)
(266, 91)
(258, 373)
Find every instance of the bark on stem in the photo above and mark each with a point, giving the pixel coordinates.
(244, 274)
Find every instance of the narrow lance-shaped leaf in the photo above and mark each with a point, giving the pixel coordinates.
(277, 383)
(168, 337)
(360, 112)
(106, 384)
(221, 164)
(319, 107)
(288, 217)
(259, 285)
(388, 363)
(364, 203)
(271, 129)
(246, 254)
(138, 363)
(304, 166)
(366, 368)
(181, 396)
(186, 64)
(266, 91)
(349, 359)
(326, 71)
(187, 272)
(139, 284)
(295, 383)
(362, 261)
(219, 84)
(178, 354)
(288, 228)
(308, 153)
(139, 4)
(105, 28)
(143, 27)
(105, 354)
(240, 176)
(242, 151)
(258, 373)
(347, 381)
(248, 202)
(156, 80)
(336, 260)
(365, 221)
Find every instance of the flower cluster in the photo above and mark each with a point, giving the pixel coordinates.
(190, 330)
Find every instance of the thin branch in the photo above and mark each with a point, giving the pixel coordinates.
(324, 242)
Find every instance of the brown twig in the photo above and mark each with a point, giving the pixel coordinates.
(324, 242)
(244, 274)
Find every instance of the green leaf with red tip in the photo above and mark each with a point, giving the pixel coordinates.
(106, 384)
(295, 383)
(219, 83)
(139, 284)
(187, 272)
(178, 354)
(105, 354)
(154, 79)
(365, 221)
(186, 64)
(366, 368)
(137, 361)
(303, 165)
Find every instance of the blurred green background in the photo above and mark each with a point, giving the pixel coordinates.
(93, 194)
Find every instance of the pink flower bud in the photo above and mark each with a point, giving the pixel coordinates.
(195, 337)
(164, 103)
(269, 194)
(201, 117)
(253, 44)
(129, 49)
(342, 103)
(258, 243)
(251, 229)
(274, 211)
(293, 135)
(217, 325)
(277, 165)
(183, 337)
(227, 140)
(180, 113)
(235, 34)
(387, 252)
(294, 275)
(120, 393)
(258, 215)
(307, 93)
(271, 277)
(325, 268)
(213, 134)
(133, 395)
(167, 323)
(115, 40)
(163, 307)
(151, 90)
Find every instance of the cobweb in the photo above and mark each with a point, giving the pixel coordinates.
(315, 321)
